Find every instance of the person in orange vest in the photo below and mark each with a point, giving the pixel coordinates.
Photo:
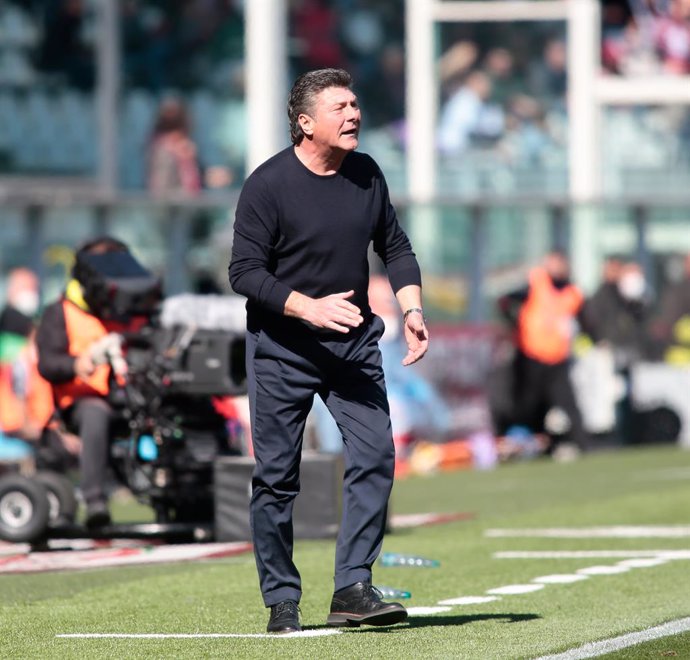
(33, 392)
(16, 325)
(67, 336)
(545, 319)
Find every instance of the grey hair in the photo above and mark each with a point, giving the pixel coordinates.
(304, 91)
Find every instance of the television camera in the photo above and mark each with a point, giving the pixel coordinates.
(170, 379)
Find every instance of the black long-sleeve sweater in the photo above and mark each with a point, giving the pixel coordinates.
(298, 231)
(55, 363)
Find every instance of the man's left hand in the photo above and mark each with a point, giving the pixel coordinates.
(417, 338)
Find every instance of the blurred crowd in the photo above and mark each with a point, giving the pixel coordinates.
(502, 95)
(646, 37)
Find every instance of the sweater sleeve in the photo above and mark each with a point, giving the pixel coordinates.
(55, 363)
(255, 236)
(393, 246)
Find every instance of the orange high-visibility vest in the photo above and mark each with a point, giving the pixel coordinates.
(83, 329)
(11, 413)
(545, 323)
(38, 403)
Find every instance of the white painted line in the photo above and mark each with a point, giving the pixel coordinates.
(304, 633)
(643, 563)
(566, 578)
(425, 611)
(613, 532)
(515, 589)
(595, 649)
(468, 600)
(603, 570)
(591, 554)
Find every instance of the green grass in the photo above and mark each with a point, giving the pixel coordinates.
(677, 646)
(632, 487)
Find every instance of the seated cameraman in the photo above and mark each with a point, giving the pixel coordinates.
(68, 336)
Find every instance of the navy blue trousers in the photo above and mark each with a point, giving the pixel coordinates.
(284, 373)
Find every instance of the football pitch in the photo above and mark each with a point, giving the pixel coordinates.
(562, 560)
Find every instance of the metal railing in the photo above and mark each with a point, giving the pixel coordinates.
(477, 245)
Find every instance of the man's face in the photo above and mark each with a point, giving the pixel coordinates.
(336, 119)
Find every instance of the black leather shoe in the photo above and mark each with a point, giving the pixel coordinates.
(284, 618)
(361, 603)
(97, 514)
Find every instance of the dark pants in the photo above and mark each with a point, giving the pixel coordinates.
(91, 418)
(283, 374)
(539, 386)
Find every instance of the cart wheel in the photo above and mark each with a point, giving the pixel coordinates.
(24, 509)
(61, 499)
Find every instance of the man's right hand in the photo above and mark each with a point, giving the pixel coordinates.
(84, 366)
(332, 312)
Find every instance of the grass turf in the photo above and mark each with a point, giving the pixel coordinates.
(649, 486)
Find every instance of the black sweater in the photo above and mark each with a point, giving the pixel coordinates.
(298, 231)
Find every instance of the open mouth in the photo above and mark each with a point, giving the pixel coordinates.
(351, 132)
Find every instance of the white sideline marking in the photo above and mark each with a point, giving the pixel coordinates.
(613, 532)
(594, 649)
(603, 570)
(643, 563)
(423, 611)
(560, 579)
(303, 633)
(591, 554)
(515, 589)
(468, 600)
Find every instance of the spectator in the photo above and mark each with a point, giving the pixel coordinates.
(172, 155)
(21, 305)
(148, 46)
(618, 312)
(468, 114)
(316, 28)
(456, 63)
(672, 37)
(526, 140)
(62, 49)
(544, 315)
(616, 319)
(499, 65)
(548, 76)
(385, 91)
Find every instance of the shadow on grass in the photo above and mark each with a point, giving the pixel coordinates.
(430, 621)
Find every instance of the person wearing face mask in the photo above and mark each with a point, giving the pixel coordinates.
(16, 328)
(544, 316)
(618, 312)
(616, 317)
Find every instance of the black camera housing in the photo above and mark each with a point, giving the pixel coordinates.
(115, 285)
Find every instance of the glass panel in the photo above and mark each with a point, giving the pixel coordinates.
(646, 149)
(502, 122)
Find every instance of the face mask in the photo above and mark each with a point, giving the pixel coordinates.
(560, 282)
(632, 286)
(26, 302)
